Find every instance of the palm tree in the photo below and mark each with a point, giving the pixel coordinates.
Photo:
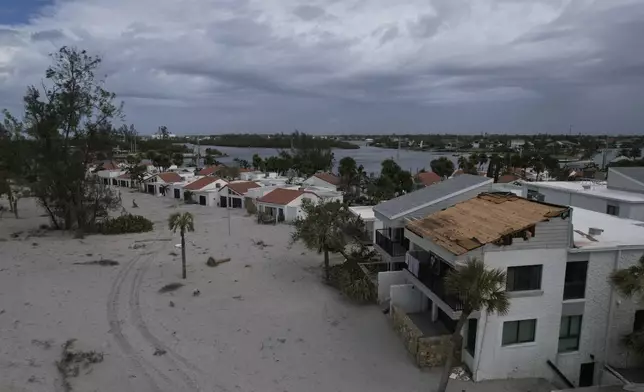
(184, 222)
(462, 162)
(629, 282)
(187, 196)
(478, 289)
(324, 228)
(163, 189)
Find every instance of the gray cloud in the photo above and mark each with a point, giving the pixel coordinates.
(351, 66)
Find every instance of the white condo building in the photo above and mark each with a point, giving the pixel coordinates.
(565, 321)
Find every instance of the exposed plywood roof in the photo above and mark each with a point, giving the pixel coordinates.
(482, 220)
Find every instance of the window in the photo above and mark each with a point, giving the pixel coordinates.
(524, 278)
(575, 281)
(471, 336)
(569, 333)
(638, 325)
(612, 210)
(515, 332)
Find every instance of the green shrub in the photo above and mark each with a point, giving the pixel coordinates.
(125, 224)
(353, 283)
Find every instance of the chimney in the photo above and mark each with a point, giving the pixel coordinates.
(594, 231)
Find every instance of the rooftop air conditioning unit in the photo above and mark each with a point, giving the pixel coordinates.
(594, 231)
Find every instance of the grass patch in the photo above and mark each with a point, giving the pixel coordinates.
(170, 287)
(72, 361)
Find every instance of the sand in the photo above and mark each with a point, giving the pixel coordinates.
(262, 322)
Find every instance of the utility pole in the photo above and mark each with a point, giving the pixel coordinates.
(228, 208)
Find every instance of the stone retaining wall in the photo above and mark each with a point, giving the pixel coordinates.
(426, 351)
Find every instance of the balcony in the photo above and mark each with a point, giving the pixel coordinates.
(430, 271)
(393, 247)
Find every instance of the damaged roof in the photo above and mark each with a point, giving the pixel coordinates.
(484, 219)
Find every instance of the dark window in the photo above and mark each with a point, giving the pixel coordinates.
(471, 336)
(522, 331)
(575, 283)
(569, 333)
(638, 325)
(524, 278)
(612, 210)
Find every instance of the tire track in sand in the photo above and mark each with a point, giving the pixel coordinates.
(117, 331)
(171, 356)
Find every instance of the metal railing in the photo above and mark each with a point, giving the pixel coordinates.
(394, 248)
(433, 276)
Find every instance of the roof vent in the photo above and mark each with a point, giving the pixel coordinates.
(586, 186)
(594, 231)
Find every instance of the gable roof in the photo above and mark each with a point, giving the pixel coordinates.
(281, 196)
(206, 171)
(200, 183)
(170, 177)
(328, 177)
(242, 186)
(428, 178)
(125, 176)
(507, 178)
(484, 219)
(410, 202)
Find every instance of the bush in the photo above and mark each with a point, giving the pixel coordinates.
(126, 224)
(353, 283)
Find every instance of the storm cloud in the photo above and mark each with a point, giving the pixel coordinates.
(351, 66)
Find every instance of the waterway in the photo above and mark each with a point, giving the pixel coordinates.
(369, 157)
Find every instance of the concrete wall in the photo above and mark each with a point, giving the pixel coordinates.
(386, 279)
(528, 359)
(407, 298)
(620, 182)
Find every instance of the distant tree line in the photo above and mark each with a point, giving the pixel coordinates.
(280, 141)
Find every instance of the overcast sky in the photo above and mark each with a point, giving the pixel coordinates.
(346, 66)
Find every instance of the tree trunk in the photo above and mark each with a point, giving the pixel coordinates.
(183, 254)
(14, 206)
(449, 361)
(326, 265)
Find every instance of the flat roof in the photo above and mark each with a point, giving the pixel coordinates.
(596, 189)
(364, 212)
(618, 232)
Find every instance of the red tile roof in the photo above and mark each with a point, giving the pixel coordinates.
(206, 171)
(242, 187)
(428, 178)
(328, 177)
(281, 196)
(200, 183)
(507, 178)
(170, 177)
(124, 176)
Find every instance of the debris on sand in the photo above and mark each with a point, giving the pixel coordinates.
(159, 352)
(72, 361)
(171, 304)
(45, 344)
(238, 297)
(261, 244)
(170, 287)
(173, 253)
(102, 263)
(137, 246)
(15, 234)
(212, 262)
(196, 292)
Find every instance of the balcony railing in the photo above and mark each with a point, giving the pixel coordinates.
(394, 248)
(431, 272)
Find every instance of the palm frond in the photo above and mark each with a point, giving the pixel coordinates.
(635, 342)
(182, 222)
(629, 281)
(477, 287)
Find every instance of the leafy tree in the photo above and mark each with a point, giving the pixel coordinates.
(482, 159)
(132, 159)
(137, 173)
(210, 160)
(162, 161)
(242, 163)
(177, 159)
(184, 223)
(163, 132)
(442, 166)
(67, 123)
(478, 289)
(323, 228)
(350, 177)
(629, 282)
(258, 162)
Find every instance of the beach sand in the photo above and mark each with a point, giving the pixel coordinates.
(262, 322)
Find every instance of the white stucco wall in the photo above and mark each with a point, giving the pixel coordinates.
(528, 359)
(408, 298)
(314, 181)
(386, 279)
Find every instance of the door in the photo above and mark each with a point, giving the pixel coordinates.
(177, 194)
(202, 200)
(236, 202)
(587, 374)
(151, 189)
(222, 201)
